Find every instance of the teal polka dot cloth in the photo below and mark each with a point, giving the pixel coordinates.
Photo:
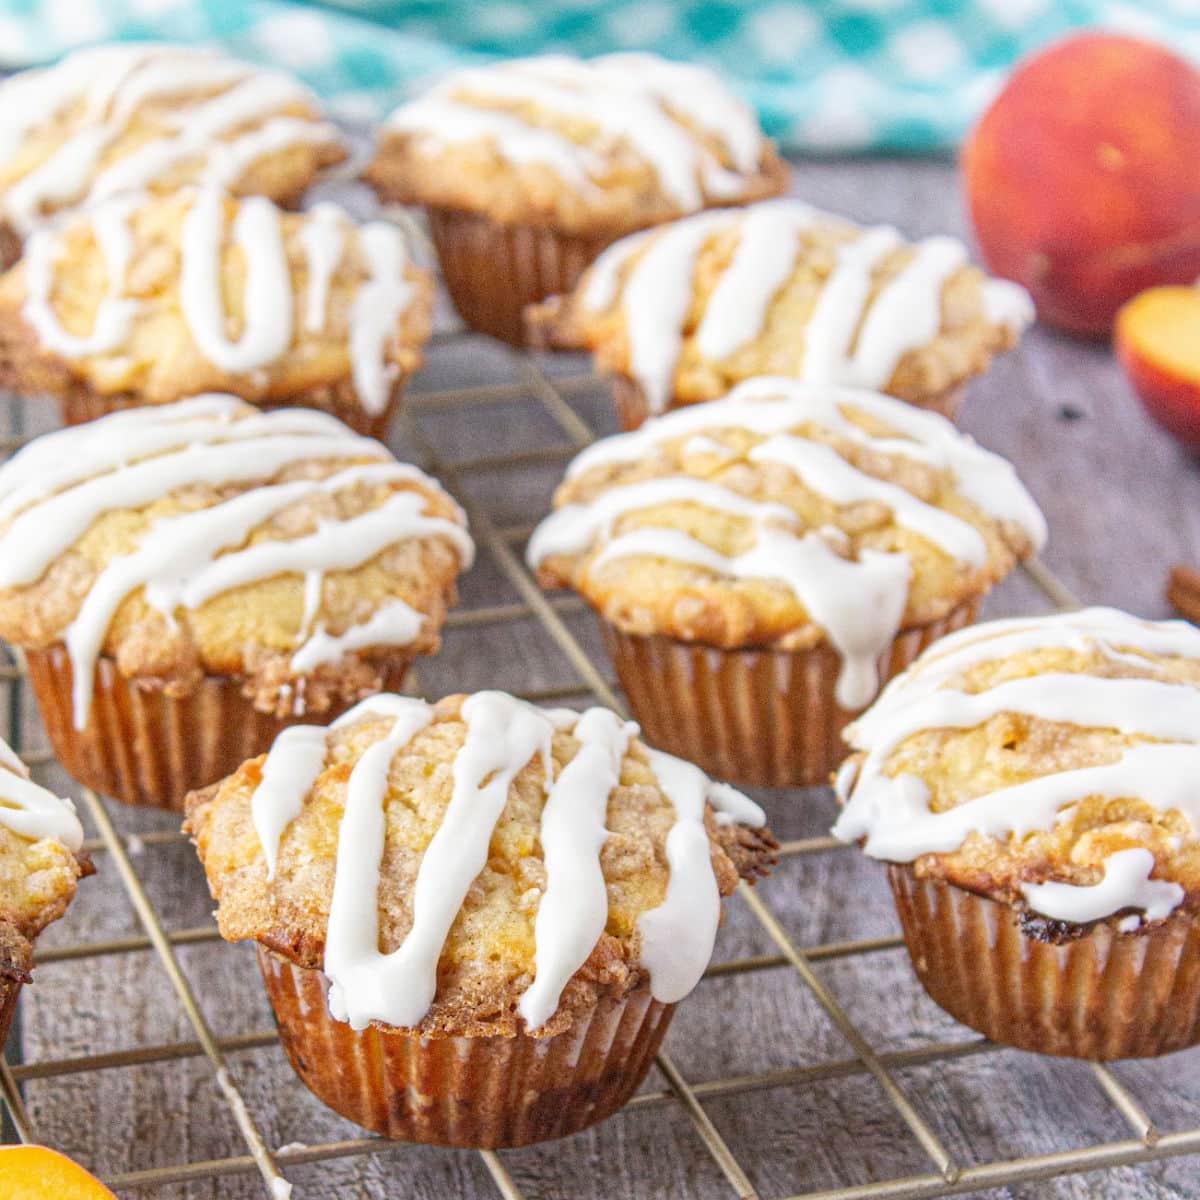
(827, 76)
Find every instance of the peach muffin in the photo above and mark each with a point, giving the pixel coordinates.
(1034, 787)
(146, 116)
(185, 579)
(529, 168)
(760, 562)
(679, 315)
(41, 859)
(146, 300)
(474, 919)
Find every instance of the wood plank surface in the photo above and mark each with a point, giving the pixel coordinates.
(1123, 502)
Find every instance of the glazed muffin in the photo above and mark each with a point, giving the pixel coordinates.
(529, 168)
(187, 579)
(132, 117)
(759, 563)
(681, 314)
(41, 859)
(146, 300)
(1032, 786)
(474, 919)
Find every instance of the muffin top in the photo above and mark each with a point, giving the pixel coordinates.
(779, 288)
(136, 116)
(161, 297)
(599, 146)
(40, 860)
(520, 871)
(785, 515)
(208, 537)
(1048, 762)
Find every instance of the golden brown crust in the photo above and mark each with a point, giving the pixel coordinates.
(160, 361)
(645, 595)
(281, 173)
(474, 178)
(487, 961)
(252, 631)
(958, 765)
(37, 882)
(964, 346)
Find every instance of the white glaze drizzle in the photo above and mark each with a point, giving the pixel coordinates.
(135, 458)
(628, 97)
(324, 241)
(823, 470)
(907, 311)
(656, 298)
(678, 935)
(850, 338)
(1126, 883)
(394, 624)
(271, 311)
(892, 814)
(258, 233)
(377, 305)
(574, 906)
(449, 122)
(30, 810)
(770, 404)
(115, 84)
(114, 317)
(503, 736)
(763, 261)
(860, 604)
(572, 528)
(288, 774)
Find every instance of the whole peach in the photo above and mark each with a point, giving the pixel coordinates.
(1083, 177)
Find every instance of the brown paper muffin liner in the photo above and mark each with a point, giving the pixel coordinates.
(143, 747)
(760, 717)
(485, 1093)
(493, 270)
(632, 409)
(80, 403)
(1101, 995)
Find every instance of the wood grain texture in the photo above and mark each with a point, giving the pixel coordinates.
(1123, 502)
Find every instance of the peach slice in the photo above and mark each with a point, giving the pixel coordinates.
(1157, 339)
(37, 1173)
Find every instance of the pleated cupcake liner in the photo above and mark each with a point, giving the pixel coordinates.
(484, 1093)
(143, 747)
(759, 717)
(493, 270)
(80, 403)
(632, 408)
(1101, 995)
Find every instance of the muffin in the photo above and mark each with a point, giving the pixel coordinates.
(144, 116)
(474, 919)
(41, 859)
(529, 168)
(759, 563)
(681, 314)
(187, 579)
(149, 299)
(1032, 786)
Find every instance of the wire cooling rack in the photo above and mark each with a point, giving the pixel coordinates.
(550, 402)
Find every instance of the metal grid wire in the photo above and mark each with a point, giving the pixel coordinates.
(944, 1175)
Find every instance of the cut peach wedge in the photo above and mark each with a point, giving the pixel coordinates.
(37, 1173)
(1157, 339)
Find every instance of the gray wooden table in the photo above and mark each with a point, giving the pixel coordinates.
(1123, 503)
